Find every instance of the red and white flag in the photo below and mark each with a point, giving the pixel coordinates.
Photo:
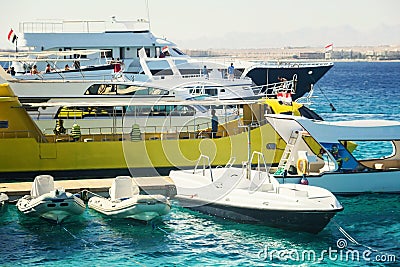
(164, 49)
(329, 47)
(12, 37)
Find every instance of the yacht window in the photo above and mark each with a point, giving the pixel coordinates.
(3, 124)
(212, 91)
(368, 149)
(67, 49)
(157, 91)
(147, 50)
(106, 54)
(84, 112)
(197, 90)
(123, 89)
(122, 52)
(179, 52)
(80, 55)
(93, 89)
(102, 89)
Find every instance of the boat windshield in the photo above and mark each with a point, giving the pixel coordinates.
(101, 112)
(373, 149)
(123, 89)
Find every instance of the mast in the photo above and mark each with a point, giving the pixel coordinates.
(148, 14)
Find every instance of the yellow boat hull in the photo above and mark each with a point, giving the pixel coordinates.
(26, 152)
(25, 157)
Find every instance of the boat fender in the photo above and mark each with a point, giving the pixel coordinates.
(302, 166)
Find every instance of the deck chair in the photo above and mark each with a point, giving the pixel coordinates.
(42, 184)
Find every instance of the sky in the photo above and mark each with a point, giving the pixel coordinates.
(235, 24)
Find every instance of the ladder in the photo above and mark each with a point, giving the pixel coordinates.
(287, 152)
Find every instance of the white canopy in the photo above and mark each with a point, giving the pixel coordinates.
(42, 184)
(119, 101)
(332, 132)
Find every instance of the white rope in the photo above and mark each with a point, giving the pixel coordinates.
(74, 236)
(350, 238)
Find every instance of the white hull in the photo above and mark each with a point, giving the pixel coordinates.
(332, 163)
(52, 206)
(353, 183)
(141, 207)
(260, 199)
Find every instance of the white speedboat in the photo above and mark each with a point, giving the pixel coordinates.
(125, 202)
(246, 195)
(49, 203)
(325, 153)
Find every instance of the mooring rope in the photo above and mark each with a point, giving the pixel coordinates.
(77, 238)
(350, 238)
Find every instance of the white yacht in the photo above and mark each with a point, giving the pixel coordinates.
(123, 40)
(141, 85)
(211, 83)
(333, 155)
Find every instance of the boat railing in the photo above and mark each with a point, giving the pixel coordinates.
(230, 162)
(18, 134)
(261, 168)
(82, 26)
(272, 89)
(77, 76)
(297, 64)
(205, 160)
(208, 78)
(114, 133)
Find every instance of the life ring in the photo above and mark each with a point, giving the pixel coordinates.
(302, 165)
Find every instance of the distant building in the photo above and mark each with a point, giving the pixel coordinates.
(312, 55)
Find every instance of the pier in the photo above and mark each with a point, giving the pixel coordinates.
(162, 185)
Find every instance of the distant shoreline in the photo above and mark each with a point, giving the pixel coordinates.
(357, 53)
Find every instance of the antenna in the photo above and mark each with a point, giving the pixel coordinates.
(148, 14)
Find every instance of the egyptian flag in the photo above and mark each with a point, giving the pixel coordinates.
(12, 37)
(164, 49)
(329, 47)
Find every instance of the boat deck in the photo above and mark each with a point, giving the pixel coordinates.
(162, 185)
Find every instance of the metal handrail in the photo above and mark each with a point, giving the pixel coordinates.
(63, 77)
(78, 26)
(259, 156)
(204, 157)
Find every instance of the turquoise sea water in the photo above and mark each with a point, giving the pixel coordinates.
(187, 238)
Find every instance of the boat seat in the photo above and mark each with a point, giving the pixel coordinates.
(42, 184)
(123, 187)
(268, 187)
(292, 192)
(136, 135)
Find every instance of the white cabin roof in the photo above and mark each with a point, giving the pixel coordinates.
(332, 132)
(93, 40)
